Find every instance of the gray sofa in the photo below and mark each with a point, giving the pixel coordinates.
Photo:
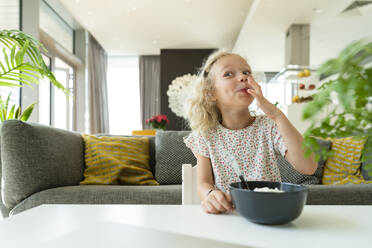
(44, 165)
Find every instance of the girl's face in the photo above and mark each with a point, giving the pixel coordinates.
(231, 74)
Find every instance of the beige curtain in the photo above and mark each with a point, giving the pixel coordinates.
(149, 70)
(97, 87)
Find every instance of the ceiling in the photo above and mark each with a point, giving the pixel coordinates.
(253, 28)
(135, 27)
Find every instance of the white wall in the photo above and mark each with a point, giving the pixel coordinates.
(261, 39)
(329, 37)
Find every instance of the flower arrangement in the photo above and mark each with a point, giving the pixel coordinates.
(158, 121)
(178, 92)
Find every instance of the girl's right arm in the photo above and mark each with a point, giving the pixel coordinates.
(213, 200)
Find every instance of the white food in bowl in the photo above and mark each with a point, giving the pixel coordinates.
(267, 189)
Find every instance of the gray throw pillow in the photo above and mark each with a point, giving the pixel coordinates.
(366, 167)
(37, 157)
(170, 153)
(291, 175)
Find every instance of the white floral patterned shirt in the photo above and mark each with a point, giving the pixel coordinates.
(255, 149)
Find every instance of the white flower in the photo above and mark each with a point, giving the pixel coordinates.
(178, 92)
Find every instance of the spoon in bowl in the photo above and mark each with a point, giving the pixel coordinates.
(236, 168)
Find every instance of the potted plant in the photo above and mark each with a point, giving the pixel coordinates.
(22, 62)
(13, 113)
(158, 121)
(348, 97)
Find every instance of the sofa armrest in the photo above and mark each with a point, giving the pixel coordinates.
(189, 185)
(37, 157)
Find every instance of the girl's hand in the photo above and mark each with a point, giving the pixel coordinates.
(267, 107)
(217, 202)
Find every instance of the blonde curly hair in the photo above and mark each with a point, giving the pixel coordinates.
(202, 113)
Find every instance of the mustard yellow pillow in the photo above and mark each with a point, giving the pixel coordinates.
(117, 160)
(343, 167)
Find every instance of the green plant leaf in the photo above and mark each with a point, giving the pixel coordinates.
(12, 55)
(17, 80)
(22, 52)
(27, 112)
(6, 58)
(20, 45)
(27, 77)
(7, 103)
(11, 113)
(3, 111)
(6, 42)
(2, 107)
(17, 113)
(2, 67)
(7, 84)
(352, 83)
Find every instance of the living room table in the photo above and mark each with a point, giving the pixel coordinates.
(181, 226)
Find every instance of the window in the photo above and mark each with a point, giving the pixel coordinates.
(9, 19)
(14, 97)
(275, 92)
(44, 96)
(56, 27)
(123, 94)
(62, 108)
(5, 91)
(9, 14)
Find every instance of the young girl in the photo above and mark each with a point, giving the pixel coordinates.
(223, 126)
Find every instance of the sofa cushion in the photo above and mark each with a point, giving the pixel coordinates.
(366, 167)
(171, 152)
(103, 194)
(291, 175)
(37, 157)
(117, 160)
(152, 146)
(343, 167)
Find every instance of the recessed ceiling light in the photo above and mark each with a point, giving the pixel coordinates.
(318, 11)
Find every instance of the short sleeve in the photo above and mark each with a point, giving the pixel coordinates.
(277, 139)
(197, 144)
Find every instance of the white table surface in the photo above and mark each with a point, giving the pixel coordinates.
(181, 226)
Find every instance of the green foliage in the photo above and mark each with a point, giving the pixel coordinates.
(6, 114)
(23, 61)
(352, 86)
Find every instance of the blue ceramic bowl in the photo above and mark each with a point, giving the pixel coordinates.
(269, 207)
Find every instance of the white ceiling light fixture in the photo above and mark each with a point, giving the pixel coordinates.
(318, 11)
